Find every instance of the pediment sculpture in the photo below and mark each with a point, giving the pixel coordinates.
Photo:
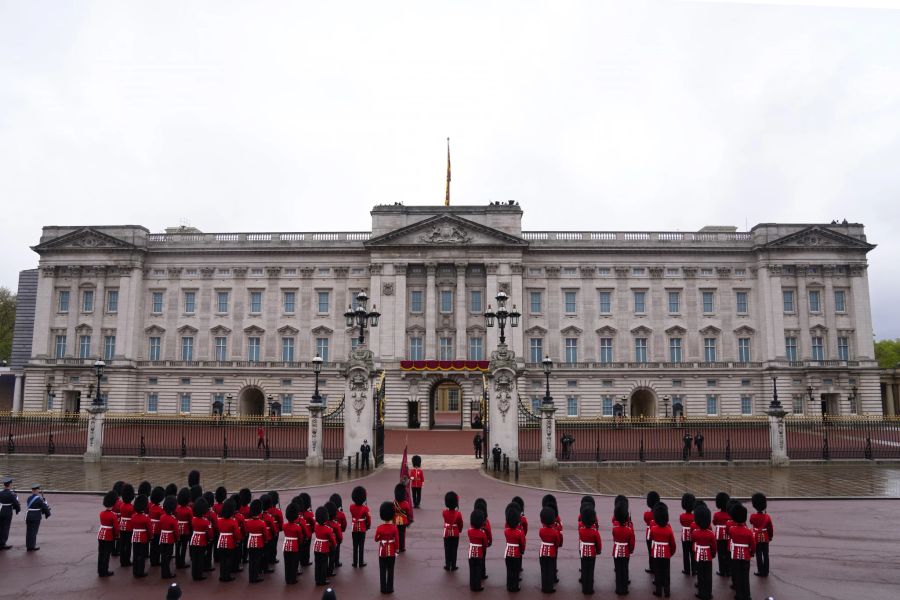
(446, 234)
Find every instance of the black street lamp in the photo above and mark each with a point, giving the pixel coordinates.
(665, 400)
(317, 368)
(548, 366)
(360, 318)
(269, 402)
(502, 315)
(99, 365)
(854, 399)
(775, 404)
(230, 399)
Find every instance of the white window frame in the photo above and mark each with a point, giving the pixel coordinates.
(84, 345)
(182, 398)
(187, 348)
(746, 405)
(639, 297)
(323, 302)
(220, 347)
(322, 348)
(708, 308)
(63, 301)
(446, 348)
(788, 301)
(445, 301)
(674, 302)
(476, 302)
(570, 307)
(416, 348)
(840, 306)
(745, 350)
(87, 300)
(222, 301)
(815, 307)
(714, 399)
(538, 346)
(539, 297)
(640, 350)
(256, 302)
(710, 349)
(607, 350)
(152, 402)
(843, 347)
(476, 348)
(604, 302)
(154, 347)
(254, 348)
(790, 348)
(157, 302)
(676, 350)
(571, 350)
(289, 302)
(416, 301)
(112, 301)
(109, 349)
(738, 294)
(288, 345)
(571, 406)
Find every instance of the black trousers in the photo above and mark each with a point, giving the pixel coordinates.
(740, 570)
(548, 573)
(226, 564)
(359, 545)
(197, 553)
(304, 553)
(5, 522)
(724, 558)
(704, 579)
(417, 496)
(451, 547)
(621, 567)
(365, 462)
(125, 549)
(513, 568)
(762, 558)
(587, 574)
(255, 557)
(402, 530)
(291, 566)
(139, 564)
(476, 572)
(31, 532)
(104, 550)
(166, 551)
(687, 559)
(334, 557)
(180, 550)
(386, 573)
(154, 551)
(661, 573)
(649, 556)
(208, 558)
(321, 559)
(477, 451)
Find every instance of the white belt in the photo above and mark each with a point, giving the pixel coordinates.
(740, 545)
(656, 543)
(179, 522)
(287, 539)
(508, 545)
(581, 545)
(255, 535)
(619, 545)
(129, 518)
(2, 505)
(547, 544)
(136, 530)
(472, 545)
(154, 520)
(106, 527)
(40, 509)
(228, 533)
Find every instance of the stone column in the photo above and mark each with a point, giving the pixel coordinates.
(777, 437)
(314, 456)
(493, 333)
(888, 399)
(94, 451)
(503, 405)
(359, 408)
(461, 310)
(17, 394)
(548, 437)
(431, 309)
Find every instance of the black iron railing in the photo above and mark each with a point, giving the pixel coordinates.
(43, 433)
(826, 437)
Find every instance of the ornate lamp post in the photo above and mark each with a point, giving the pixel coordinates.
(269, 402)
(230, 399)
(360, 317)
(502, 315)
(548, 367)
(665, 400)
(99, 365)
(775, 404)
(317, 368)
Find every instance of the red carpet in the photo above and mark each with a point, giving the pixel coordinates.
(423, 441)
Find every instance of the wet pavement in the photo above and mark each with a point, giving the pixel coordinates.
(818, 552)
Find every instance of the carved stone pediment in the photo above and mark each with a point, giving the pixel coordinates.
(607, 331)
(447, 230)
(254, 330)
(536, 331)
(220, 330)
(84, 239)
(744, 330)
(322, 330)
(83, 328)
(710, 330)
(818, 236)
(676, 330)
(288, 330)
(641, 330)
(187, 329)
(571, 331)
(154, 330)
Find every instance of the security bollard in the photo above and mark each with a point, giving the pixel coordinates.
(517, 470)
(349, 464)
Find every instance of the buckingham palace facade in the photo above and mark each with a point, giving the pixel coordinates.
(640, 323)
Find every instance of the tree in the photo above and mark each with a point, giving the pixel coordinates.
(7, 322)
(887, 353)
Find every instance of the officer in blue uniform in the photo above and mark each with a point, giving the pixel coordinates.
(36, 509)
(9, 502)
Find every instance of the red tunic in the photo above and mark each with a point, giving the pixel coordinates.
(257, 532)
(155, 512)
(551, 541)
(293, 537)
(140, 528)
(217, 508)
(720, 525)
(278, 516)
(200, 527)
(762, 527)
(388, 539)
(662, 541)
(213, 525)
(417, 477)
(743, 542)
(109, 526)
(404, 514)
(523, 525)
(589, 544)
(360, 517)
(323, 539)
(623, 540)
(270, 524)
(168, 529)
(687, 520)
(341, 518)
(338, 532)
(229, 533)
(627, 523)
(515, 542)
(126, 511)
(453, 523)
(704, 541)
(477, 542)
(184, 514)
(648, 521)
(488, 532)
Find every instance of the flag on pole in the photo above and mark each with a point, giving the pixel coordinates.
(447, 195)
(404, 479)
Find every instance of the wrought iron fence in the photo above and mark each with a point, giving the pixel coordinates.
(529, 433)
(205, 436)
(333, 433)
(829, 437)
(659, 439)
(43, 433)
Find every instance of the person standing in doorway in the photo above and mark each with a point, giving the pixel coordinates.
(477, 441)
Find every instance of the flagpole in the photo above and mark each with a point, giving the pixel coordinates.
(447, 194)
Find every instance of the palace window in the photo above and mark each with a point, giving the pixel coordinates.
(712, 405)
(535, 349)
(112, 301)
(287, 404)
(709, 302)
(289, 301)
(674, 302)
(256, 302)
(153, 353)
(287, 349)
(253, 349)
(416, 351)
(571, 406)
(607, 404)
(640, 350)
(787, 297)
(709, 349)
(187, 348)
(323, 301)
(606, 350)
(87, 301)
(156, 302)
(790, 348)
(746, 404)
(815, 301)
(840, 301)
(570, 302)
(415, 301)
(475, 302)
(222, 302)
(184, 404)
(84, 346)
(741, 302)
(843, 345)
(536, 302)
(190, 302)
(675, 350)
(446, 301)
(152, 402)
(818, 347)
(221, 348)
(109, 347)
(744, 350)
(605, 302)
(322, 348)
(640, 302)
(476, 348)
(60, 346)
(571, 350)
(63, 302)
(445, 348)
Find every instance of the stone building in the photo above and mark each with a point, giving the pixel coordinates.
(646, 323)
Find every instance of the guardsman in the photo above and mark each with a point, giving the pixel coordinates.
(229, 541)
(453, 525)
(157, 495)
(704, 550)
(168, 535)
(257, 535)
(364, 450)
(338, 537)
(698, 442)
(106, 536)
(417, 480)
(687, 440)
(140, 536)
(388, 539)
(323, 540)
(293, 533)
(126, 510)
(477, 544)
(589, 547)
(686, 519)
(742, 547)
(37, 509)
(662, 548)
(720, 527)
(551, 541)
(523, 523)
(481, 504)
(515, 546)
(360, 523)
(200, 538)
(213, 537)
(9, 502)
(305, 503)
(652, 500)
(183, 515)
(764, 532)
(403, 514)
(341, 518)
(623, 545)
(496, 454)
(269, 549)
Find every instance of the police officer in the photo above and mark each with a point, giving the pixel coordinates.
(496, 453)
(477, 441)
(365, 450)
(698, 442)
(36, 509)
(8, 502)
(687, 441)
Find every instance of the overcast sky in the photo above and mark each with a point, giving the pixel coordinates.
(300, 116)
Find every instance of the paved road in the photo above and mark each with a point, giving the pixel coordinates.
(817, 553)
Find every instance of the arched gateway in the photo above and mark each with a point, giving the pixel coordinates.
(643, 403)
(252, 402)
(445, 405)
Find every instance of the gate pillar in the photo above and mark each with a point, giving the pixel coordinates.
(359, 404)
(503, 401)
(314, 454)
